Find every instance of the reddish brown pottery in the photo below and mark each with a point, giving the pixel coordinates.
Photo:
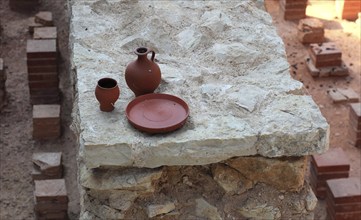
(107, 93)
(143, 75)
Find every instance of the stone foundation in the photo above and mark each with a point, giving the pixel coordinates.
(241, 153)
(242, 187)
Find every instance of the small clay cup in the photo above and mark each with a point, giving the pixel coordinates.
(107, 93)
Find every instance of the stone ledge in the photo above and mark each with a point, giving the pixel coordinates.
(233, 76)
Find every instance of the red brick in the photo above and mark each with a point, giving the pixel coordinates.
(43, 69)
(43, 84)
(325, 54)
(41, 62)
(344, 215)
(53, 216)
(333, 160)
(23, 4)
(286, 4)
(325, 51)
(45, 92)
(330, 175)
(43, 77)
(47, 207)
(51, 191)
(346, 190)
(44, 100)
(343, 207)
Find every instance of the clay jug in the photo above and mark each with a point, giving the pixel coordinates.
(107, 93)
(143, 75)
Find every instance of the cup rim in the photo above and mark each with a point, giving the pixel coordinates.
(105, 79)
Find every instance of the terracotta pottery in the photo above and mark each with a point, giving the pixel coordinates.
(157, 113)
(107, 93)
(143, 75)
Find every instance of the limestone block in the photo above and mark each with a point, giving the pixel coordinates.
(230, 179)
(135, 179)
(284, 174)
(206, 210)
(154, 210)
(263, 112)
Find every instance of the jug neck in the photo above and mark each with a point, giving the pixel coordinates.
(142, 53)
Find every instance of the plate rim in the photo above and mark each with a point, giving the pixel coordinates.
(167, 129)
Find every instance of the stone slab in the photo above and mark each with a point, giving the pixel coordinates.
(356, 110)
(50, 191)
(45, 33)
(41, 48)
(44, 18)
(235, 79)
(326, 71)
(47, 161)
(46, 111)
(350, 94)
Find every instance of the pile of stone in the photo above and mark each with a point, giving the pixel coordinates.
(51, 199)
(42, 26)
(355, 124)
(348, 9)
(47, 166)
(2, 84)
(326, 60)
(293, 9)
(310, 30)
(46, 122)
(344, 199)
(331, 165)
(23, 4)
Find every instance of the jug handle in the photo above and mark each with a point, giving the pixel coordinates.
(153, 54)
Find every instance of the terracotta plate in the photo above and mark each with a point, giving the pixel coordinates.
(157, 113)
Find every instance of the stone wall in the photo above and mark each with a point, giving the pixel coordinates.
(241, 153)
(243, 187)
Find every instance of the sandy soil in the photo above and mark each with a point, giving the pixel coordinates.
(16, 143)
(17, 146)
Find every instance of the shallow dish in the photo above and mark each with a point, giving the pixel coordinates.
(157, 113)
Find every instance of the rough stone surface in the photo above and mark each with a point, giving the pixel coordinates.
(230, 179)
(224, 59)
(284, 173)
(204, 209)
(260, 212)
(140, 180)
(154, 210)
